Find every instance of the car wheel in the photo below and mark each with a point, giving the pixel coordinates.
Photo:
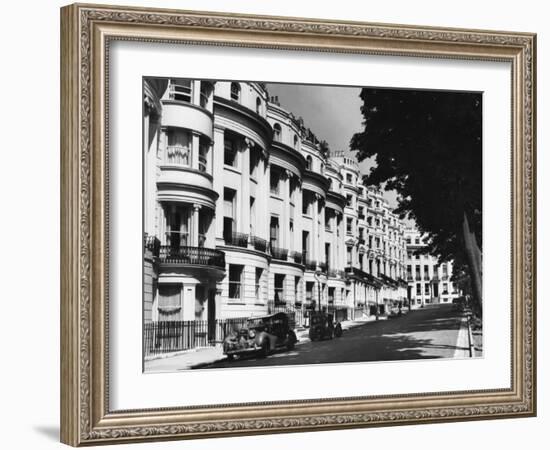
(265, 348)
(291, 341)
(230, 357)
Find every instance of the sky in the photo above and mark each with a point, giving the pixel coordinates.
(331, 112)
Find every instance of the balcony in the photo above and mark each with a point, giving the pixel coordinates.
(258, 243)
(152, 244)
(236, 239)
(279, 253)
(198, 256)
(297, 257)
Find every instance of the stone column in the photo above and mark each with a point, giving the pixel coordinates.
(195, 139)
(194, 232)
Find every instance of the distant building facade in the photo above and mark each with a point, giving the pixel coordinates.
(245, 213)
(428, 281)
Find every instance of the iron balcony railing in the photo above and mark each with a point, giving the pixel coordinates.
(279, 253)
(297, 257)
(200, 256)
(258, 243)
(236, 239)
(310, 264)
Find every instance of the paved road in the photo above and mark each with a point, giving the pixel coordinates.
(430, 332)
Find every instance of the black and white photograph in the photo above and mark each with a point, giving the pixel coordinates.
(295, 224)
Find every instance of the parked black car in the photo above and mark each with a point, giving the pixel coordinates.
(321, 326)
(261, 335)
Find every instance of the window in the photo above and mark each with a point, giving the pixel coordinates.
(445, 289)
(297, 281)
(349, 200)
(258, 105)
(361, 261)
(296, 142)
(417, 241)
(253, 159)
(169, 305)
(252, 215)
(361, 213)
(417, 272)
(178, 150)
(229, 209)
(349, 178)
(235, 281)
(348, 255)
(305, 244)
(349, 225)
(277, 132)
(370, 241)
(426, 273)
(409, 240)
(409, 272)
(370, 266)
(427, 288)
(445, 271)
(230, 152)
(306, 203)
(291, 232)
(418, 289)
(274, 231)
(377, 242)
(330, 295)
(279, 289)
(309, 163)
(309, 291)
(235, 92)
(274, 181)
(257, 290)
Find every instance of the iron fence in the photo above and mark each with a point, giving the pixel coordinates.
(172, 336)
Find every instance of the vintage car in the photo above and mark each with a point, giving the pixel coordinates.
(261, 335)
(321, 326)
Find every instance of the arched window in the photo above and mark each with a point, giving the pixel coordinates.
(322, 168)
(296, 142)
(309, 162)
(277, 132)
(258, 105)
(235, 92)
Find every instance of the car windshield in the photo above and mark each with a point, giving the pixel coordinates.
(255, 323)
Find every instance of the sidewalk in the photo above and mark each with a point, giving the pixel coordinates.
(200, 357)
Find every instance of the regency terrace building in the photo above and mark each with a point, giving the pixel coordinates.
(245, 213)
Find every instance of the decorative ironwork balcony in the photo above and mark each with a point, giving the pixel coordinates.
(297, 257)
(258, 243)
(236, 239)
(279, 253)
(310, 264)
(200, 256)
(151, 243)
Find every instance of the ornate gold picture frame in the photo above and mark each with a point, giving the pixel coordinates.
(87, 31)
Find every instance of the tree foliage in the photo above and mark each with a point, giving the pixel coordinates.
(428, 148)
